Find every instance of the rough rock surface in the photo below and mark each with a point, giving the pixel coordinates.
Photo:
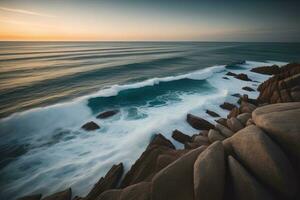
(110, 181)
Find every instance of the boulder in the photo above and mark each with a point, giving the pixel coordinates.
(236, 95)
(181, 137)
(222, 121)
(175, 182)
(140, 191)
(234, 112)
(63, 195)
(109, 181)
(226, 132)
(90, 126)
(242, 77)
(200, 138)
(234, 124)
(212, 113)
(265, 160)
(246, 99)
(209, 173)
(31, 197)
(227, 106)
(248, 89)
(145, 167)
(198, 122)
(107, 114)
(268, 70)
(214, 135)
(245, 186)
(247, 107)
(281, 122)
(243, 118)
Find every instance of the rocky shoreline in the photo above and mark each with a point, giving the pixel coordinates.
(254, 153)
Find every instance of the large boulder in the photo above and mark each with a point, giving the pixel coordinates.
(281, 122)
(63, 195)
(268, 70)
(243, 118)
(140, 191)
(90, 126)
(265, 160)
(209, 173)
(175, 182)
(181, 137)
(107, 114)
(198, 122)
(224, 130)
(245, 186)
(109, 181)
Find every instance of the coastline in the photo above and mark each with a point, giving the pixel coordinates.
(221, 150)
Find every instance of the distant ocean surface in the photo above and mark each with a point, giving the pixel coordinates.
(48, 90)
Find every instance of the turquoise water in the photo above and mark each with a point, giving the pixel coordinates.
(48, 90)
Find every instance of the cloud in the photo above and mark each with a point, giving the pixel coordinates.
(26, 12)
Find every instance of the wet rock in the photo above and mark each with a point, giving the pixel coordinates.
(109, 181)
(225, 78)
(226, 132)
(236, 95)
(90, 126)
(214, 135)
(230, 74)
(245, 186)
(31, 197)
(281, 122)
(209, 173)
(198, 122)
(268, 70)
(212, 113)
(227, 106)
(247, 107)
(63, 195)
(242, 77)
(234, 124)
(181, 137)
(234, 112)
(248, 89)
(243, 118)
(222, 121)
(107, 114)
(265, 160)
(176, 180)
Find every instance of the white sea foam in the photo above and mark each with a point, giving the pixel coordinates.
(78, 158)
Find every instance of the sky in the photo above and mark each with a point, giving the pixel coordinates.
(150, 20)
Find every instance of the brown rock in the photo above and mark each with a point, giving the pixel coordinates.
(234, 112)
(245, 186)
(281, 122)
(198, 122)
(268, 70)
(243, 118)
(222, 121)
(31, 197)
(140, 191)
(108, 182)
(90, 126)
(110, 195)
(63, 195)
(212, 113)
(264, 159)
(247, 107)
(230, 74)
(234, 124)
(248, 89)
(227, 106)
(242, 77)
(107, 114)
(226, 132)
(209, 173)
(214, 135)
(181, 137)
(176, 180)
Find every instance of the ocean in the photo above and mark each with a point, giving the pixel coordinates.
(48, 90)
